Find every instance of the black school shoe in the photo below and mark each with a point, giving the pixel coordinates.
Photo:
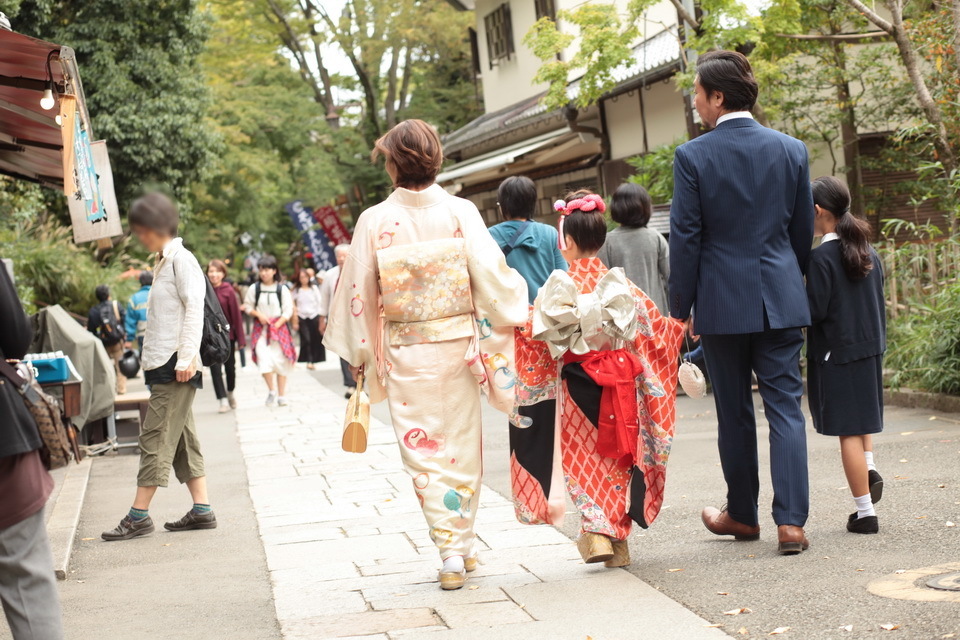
(870, 524)
(193, 520)
(876, 485)
(129, 528)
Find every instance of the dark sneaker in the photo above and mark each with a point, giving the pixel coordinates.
(193, 520)
(129, 528)
(876, 485)
(870, 524)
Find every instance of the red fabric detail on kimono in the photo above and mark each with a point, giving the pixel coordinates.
(274, 334)
(615, 371)
(599, 486)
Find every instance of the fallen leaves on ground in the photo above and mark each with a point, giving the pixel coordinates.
(899, 571)
(906, 433)
(941, 486)
(473, 587)
(87, 539)
(778, 631)
(736, 612)
(889, 627)
(904, 460)
(742, 631)
(673, 570)
(723, 593)
(847, 627)
(950, 524)
(713, 626)
(949, 635)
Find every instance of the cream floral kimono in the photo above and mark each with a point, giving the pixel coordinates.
(427, 302)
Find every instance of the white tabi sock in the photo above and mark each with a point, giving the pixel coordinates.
(864, 506)
(454, 564)
(868, 456)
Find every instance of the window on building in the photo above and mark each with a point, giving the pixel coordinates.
(545, 9)
(499, 34)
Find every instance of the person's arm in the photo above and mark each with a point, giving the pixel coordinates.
(130, 324)
(663, 258)
(801, 222)
(559, 262)
(819, 290)
(685, 230)
(250, 304)
(235, 319)
(192, 289)
(326, 295)
(499, 292)
(16, 332)
(286, 306)
(93, 319)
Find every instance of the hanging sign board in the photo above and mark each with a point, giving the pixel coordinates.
(332, 225)
(88, 179)
(314, 238)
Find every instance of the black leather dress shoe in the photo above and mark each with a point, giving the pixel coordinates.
(870, 524)
(876, 485)
(129, 528)
(193, 520)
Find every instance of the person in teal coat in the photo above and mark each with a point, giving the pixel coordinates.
(530, 247)
(136, 321)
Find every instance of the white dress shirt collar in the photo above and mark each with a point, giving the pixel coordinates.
(732, 116)
(827, 237)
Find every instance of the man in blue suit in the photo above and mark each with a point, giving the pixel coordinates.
(741, 229)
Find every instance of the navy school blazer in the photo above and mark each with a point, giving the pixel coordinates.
(741, 230)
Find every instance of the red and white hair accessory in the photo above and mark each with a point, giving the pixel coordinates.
(588, 203)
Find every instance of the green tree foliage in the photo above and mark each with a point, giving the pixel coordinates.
(654, 171)
(144, 88)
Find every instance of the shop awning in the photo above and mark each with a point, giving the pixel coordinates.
(500, 157)
(31, 142)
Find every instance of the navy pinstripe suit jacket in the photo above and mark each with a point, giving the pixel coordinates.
(741, 229)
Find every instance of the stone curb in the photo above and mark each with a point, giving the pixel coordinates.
(65, 515)
(922, 400)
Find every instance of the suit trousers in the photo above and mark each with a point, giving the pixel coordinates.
(774, 355)
(28, 586)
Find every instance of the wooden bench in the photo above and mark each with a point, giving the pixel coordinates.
(133, 401)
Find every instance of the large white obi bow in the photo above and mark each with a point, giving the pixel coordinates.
(568, 320)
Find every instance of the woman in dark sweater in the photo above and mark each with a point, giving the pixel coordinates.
(28, 588)
(846, 342)
(217, 273)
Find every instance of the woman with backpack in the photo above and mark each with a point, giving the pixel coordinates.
(106, 321)
(230, 304)
(270, 305)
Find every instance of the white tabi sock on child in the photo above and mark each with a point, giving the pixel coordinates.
(868, 456)
(454, 564)
(864, 506)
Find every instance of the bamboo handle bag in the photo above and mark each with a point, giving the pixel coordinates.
(356, 424)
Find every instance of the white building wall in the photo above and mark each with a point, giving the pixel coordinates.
(666, 122)
(509, 81)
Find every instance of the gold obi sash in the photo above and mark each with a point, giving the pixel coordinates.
(425, 291)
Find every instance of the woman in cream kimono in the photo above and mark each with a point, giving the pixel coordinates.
(426, 301)
(600, 345)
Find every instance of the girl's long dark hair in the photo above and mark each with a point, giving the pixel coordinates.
(831, 194)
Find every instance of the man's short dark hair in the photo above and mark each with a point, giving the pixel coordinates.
(146, 278)
(517, 197)
(728, 72)
(103, 293)
(631, 205)
(155, 211)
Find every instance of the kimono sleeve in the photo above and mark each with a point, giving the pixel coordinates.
(353, 325)
(499, 292)
(536, 369)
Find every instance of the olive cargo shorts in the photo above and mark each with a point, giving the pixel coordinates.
(169, 436)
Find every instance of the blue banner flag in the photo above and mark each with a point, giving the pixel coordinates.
(313, 235)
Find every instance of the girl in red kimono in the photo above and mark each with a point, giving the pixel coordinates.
(599, 345)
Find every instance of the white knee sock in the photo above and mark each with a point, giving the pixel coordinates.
(864, 506)
(454, 564)
(868, 456)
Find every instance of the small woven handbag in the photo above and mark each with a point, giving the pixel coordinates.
(356, 424)
(692, 380)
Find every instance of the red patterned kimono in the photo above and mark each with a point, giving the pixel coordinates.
(608, 492)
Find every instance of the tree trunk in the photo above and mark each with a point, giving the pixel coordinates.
(956, 33)
(390, 101)
(405, 83)
(848, 131)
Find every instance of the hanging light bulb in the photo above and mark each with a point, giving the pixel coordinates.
(59, 120)
(47, 101)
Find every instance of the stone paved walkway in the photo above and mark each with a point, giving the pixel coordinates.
(349, 556)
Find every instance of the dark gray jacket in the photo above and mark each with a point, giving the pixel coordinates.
(18, 431)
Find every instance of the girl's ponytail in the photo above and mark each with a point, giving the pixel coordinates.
(831, 194)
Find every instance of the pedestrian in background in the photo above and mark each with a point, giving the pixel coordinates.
(28, 586)
(530, 247)
(217, 274)
(425, 358)
(331, 279)
(136, 321)
(106, 321)
(270, 305)
(641, 251)
(171, 363)
(845, 343)
(306, 298)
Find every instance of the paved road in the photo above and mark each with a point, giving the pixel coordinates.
(823, 591)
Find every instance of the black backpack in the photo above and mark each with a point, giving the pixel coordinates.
(215, 339)
(215, 336)
(109, 330)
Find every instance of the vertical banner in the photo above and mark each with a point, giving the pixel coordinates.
(87, 179)
(315, 239)
(332, 225)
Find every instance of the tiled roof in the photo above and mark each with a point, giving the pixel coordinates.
(650, 56)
